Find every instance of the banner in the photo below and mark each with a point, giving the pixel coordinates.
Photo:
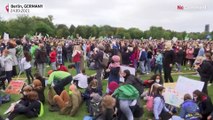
(14, 87)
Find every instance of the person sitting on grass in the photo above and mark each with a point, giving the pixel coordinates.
(189, 109)
(61, 67)
(81, 79)
(37, 86)
(29, 107)
(39, 77)
(91, 91)
(204, 103)
(69, 102)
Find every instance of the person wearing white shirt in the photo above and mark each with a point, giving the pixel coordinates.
(8, 64)
(26, 63)
(81, 79)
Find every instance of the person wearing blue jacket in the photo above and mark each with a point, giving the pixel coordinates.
(160, 110)
(189, 109)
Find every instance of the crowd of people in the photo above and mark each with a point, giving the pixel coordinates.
(121, 100)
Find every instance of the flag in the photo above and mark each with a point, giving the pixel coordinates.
(47, 35)
(186, 37)
(6, 37)
(71, 37)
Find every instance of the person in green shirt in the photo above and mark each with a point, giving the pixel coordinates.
(60, 80)
(33, 49)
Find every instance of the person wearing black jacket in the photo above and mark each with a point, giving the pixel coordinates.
(168, 61)
(30, 107)
(98, 57)
(204, 69)
(125, 56)
(204, 103)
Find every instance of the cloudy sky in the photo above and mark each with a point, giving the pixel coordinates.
(123, 13)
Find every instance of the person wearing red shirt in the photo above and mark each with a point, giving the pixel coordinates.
(62, 68)
(52, 56)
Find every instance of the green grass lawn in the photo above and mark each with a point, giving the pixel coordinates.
(82, 111)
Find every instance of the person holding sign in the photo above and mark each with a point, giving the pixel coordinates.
(204, 69)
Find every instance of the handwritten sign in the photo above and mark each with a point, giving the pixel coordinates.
(187, 85)
(15, 87)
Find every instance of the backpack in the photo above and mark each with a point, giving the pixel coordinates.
(94, 108)
(150, 101)
(126, 92)
(105, 61)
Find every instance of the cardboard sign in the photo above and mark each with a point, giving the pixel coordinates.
(14, 87)
(187, 85)
(173, 97)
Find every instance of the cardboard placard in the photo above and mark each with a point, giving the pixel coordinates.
(15, 87)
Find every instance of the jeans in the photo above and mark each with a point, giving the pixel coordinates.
(41, 69)
(20, 66)
(142, 66)
(167, 74)
(124, 107)
(148, 66)
(158, 68)
(135, 64)
(9, 75)
(77, 67)
(98, 77)
(178, 67)
(29, 75)
(53, 65)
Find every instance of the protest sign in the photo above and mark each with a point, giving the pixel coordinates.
(131, 69)
(15, 87)
(187, 85)
(175, 92)
(6, 37)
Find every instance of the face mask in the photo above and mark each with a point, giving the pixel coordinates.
(157, 80)
(24, 93)
(195, 98)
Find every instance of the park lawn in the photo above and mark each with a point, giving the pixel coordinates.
(82, 111)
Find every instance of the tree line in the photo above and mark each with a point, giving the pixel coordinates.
(23, 25)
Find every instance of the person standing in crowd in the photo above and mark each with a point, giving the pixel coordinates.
(125, 56)
(179, 58)
(160, 110)
(190, 56)
(52, 56)
(204, 103)
(41, 59)
(168, 61)
(8, 64)
(59, 54)
(98, 57)
(19, 55)
(69, 50)
(201, 50)
(204, 69)
(149, 58)
(189, 109)
(12, 50)
(158, 62)
(114, 69)
(143, 59)
(135, 56)
(77, 58)
(25, 62)
(33, 50)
